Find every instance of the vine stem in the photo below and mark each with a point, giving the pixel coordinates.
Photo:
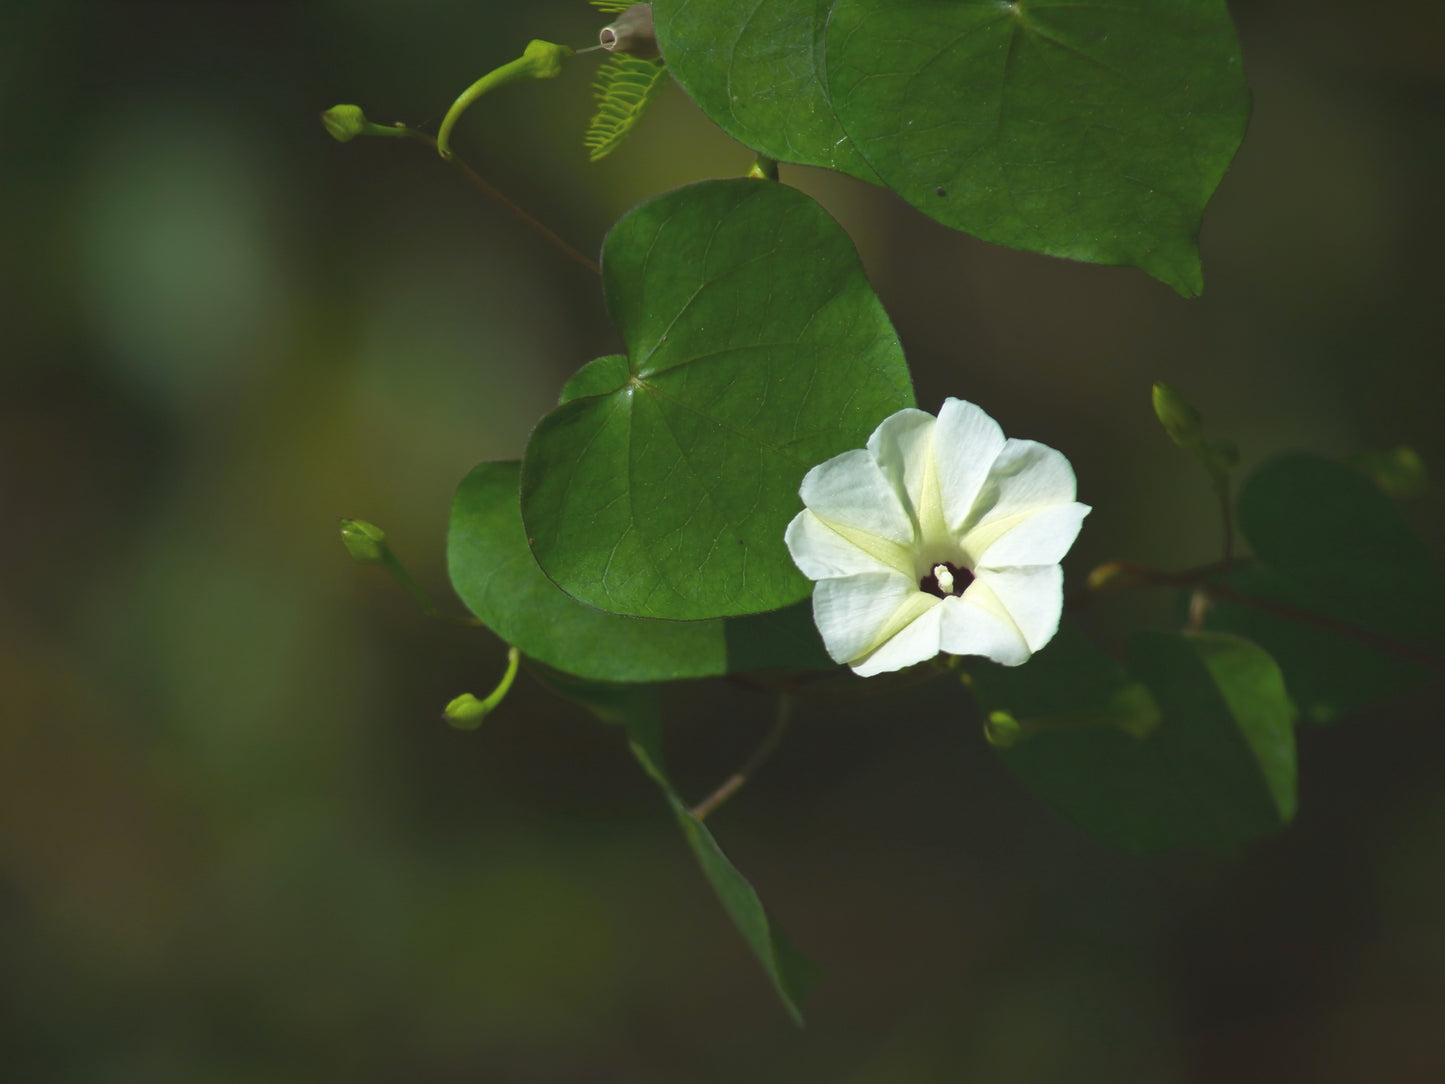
(1116, 576)
(764, 752)
(1226, 514)
(493, 193)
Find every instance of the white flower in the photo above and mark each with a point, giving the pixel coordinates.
(939, 536)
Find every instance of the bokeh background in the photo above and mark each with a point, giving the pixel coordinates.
(238, 845)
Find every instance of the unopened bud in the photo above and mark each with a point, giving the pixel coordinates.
(1002, 730)
(632, 33)
(466, 712)
(1180, 420)
(366, 542)
(764, 169)
(543, 60)
(344, 122)
(1400, 472)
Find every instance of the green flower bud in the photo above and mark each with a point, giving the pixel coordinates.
(632, 33)
(1399, 472)
(1180, 420)
(543, 60)
(764, 169)
(366, 542)
(1002, 730)
(466, 712)
(1134, 710)
(344, 122)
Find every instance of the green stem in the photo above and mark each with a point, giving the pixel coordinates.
(1226, 515)
(414, 589)
(540, 60)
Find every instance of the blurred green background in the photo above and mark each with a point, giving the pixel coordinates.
(236, 841)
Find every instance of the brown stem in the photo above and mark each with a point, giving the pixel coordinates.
(734, 782)
(1328, 624)
(1125, 575)
(495, 194)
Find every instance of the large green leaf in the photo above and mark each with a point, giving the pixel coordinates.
(1192, 746)
(1094, 131)
(792, 973)
(756, 349)
(1355, 593)
(756, 69)
(493, 572)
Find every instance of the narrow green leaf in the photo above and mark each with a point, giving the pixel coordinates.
(625, 87)
(1330, 544)
(494, 574)
(1192, 747)
(792, 974)
(756, 350)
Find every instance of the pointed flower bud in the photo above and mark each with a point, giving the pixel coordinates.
(366, 542)
(466, 712)
(632, 33)
(1399, 472)
(1002, 730)
(344, 122)
(1180, 420)
(764, 169)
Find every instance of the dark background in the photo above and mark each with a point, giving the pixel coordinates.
(236, 842)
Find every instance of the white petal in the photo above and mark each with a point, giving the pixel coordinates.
(976, 624)
(916, 641)
(1026, 477)
(966, 442)
(822, 553)
(902, 446)
(1033, 598)
(850, 490)
(1041, 539)
(853, 612)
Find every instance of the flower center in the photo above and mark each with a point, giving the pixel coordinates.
(946, 579)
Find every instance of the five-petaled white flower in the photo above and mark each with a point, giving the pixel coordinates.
(939, 536)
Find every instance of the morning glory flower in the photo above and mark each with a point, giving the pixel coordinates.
(940, 536)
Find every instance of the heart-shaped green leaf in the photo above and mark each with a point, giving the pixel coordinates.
(1073, 128)
(493, 572)
(755, 350)
(1069, 127)
(1192, 746)
(757, 70)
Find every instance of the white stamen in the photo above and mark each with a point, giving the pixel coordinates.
(944, 578)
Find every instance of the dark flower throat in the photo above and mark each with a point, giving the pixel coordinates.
(962, 577)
